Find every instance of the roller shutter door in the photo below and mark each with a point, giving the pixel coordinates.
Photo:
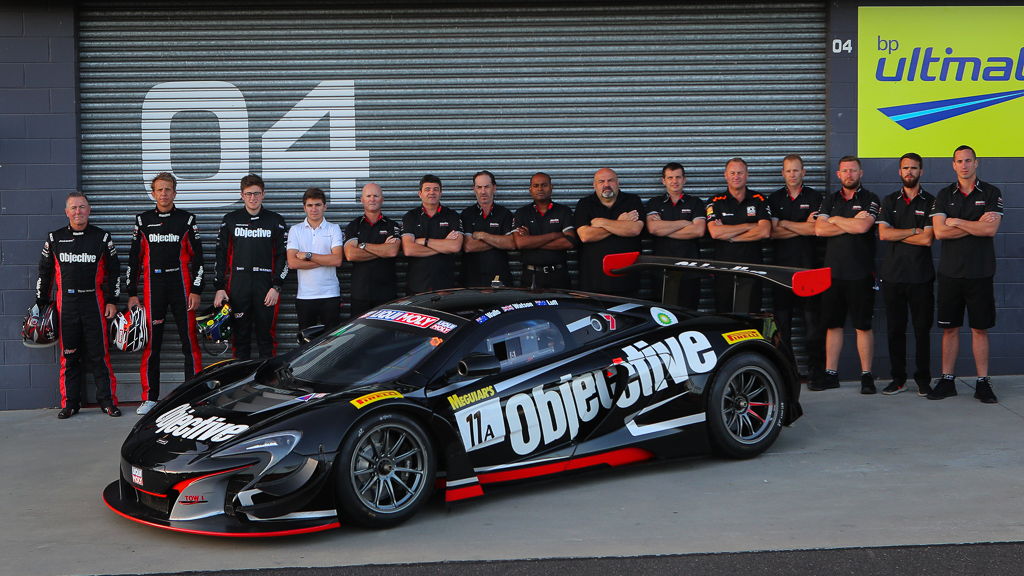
(335, 95)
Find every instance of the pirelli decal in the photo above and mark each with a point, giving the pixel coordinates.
(460, 400)
(368, 399)
(741, 335)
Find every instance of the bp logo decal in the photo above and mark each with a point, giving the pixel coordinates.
(663, 317)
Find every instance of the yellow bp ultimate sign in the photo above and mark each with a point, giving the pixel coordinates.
(930, 78)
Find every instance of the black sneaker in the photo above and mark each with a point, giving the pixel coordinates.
(923, 388)
(983, 392)
(828, 382)
(867, 384)
(67, 412)
(944, 388)
(111, 411)
(895, 387)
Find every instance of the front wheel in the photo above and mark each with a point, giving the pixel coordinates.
(746, 404)
(385, 471)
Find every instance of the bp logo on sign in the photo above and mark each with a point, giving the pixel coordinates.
(931, 78)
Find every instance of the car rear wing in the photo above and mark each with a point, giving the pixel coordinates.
(802, 281)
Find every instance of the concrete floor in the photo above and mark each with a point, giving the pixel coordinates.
(854, 471)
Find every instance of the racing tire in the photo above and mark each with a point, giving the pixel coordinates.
(385, 471)
(746, 405)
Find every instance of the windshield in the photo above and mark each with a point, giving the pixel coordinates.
(364, 353)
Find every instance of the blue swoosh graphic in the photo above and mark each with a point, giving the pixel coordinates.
(911, 116)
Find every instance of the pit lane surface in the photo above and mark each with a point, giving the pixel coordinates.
(855, 472)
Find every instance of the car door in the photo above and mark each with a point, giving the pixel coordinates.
(518, 413)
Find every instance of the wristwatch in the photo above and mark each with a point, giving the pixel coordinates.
(308, 256)
(362, 245)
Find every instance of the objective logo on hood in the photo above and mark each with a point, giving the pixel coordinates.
(930, 78)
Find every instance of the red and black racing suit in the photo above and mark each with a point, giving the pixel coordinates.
(252, 258)
(85, 269)
(166, 260)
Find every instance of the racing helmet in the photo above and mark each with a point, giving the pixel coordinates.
(39, 329)
(130, 332)
(215, 323)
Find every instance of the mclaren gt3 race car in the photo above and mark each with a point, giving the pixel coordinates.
(455, 391)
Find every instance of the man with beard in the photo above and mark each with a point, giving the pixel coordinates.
(608, 222)
(846, 219)
(907, 274)
(966, 217)
(543, 235)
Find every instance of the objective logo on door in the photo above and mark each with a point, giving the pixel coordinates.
(931, 78)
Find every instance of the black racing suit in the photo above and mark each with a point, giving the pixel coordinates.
(85, 269)
(252, 258)
(166, 261)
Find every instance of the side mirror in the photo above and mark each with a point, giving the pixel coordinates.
(307, 335)
(479, 364)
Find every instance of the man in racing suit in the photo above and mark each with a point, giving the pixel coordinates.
(166, 258)
(252, 264)
(83, 261)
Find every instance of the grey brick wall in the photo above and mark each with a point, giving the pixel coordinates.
(38, 167)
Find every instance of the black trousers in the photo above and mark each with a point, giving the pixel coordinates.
(360, 305)
(785, 306)
(246, 296)
(325, 311)
(160, 292)
(919, 300)
(84, 339)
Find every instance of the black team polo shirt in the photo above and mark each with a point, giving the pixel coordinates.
(433, 272)
(592, 276)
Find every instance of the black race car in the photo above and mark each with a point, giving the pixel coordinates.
(453, 391)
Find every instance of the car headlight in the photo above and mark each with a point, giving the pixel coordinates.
(277, 445)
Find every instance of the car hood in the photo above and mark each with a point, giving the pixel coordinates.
(228, 406)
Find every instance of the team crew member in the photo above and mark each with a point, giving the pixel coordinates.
(907, 274)
(82, 259)
(431, 237)
(252, 264)
(966, 217)
(738, 221)
(608, 222)
(315, 248)
(166, 261)
(846, 219)
(487, 229)
(371, 245)
(677, 222)
(794, 208)
(543, 235)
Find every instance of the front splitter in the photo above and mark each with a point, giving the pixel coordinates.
(220, 525)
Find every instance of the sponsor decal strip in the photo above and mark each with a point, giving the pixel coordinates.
(543, 415)
(613, 458)
(181, 423)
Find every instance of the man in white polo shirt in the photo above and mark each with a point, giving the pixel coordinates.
(315, 248)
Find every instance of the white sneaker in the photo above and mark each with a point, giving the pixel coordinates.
(145, 407)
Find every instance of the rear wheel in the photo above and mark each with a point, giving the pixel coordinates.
(746, 404)
(385, 471)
